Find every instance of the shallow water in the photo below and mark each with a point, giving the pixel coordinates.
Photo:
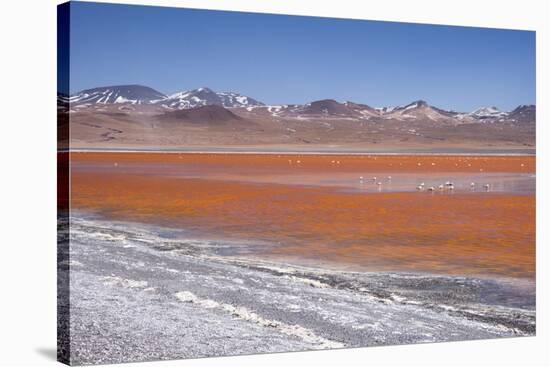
(382, 182)
(318, 212)
(379, 178)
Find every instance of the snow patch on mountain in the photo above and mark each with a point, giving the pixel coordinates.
(132, 94)
(488, 112)
(205, 96)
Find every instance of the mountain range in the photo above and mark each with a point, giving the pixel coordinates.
(327, 108)
(135, 117)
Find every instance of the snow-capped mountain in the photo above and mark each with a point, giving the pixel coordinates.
(231, 99)
(418, 104)
(390, 109)
(327, 107)
(488, 112)
(332, 108)
(410, 106)
(206, 96)
(362, 109)
(523, 114)
(420, 111)
(133, 94)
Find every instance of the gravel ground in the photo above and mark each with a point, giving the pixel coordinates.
(138, 293)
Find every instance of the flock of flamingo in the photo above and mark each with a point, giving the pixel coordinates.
(447, 186)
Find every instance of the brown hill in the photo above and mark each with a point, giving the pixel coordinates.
(211, 114)
(328, 107)
(523, 114)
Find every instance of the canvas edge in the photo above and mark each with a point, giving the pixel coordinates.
(63, 183)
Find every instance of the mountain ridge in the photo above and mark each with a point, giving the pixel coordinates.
(420, 109)
(130, 93)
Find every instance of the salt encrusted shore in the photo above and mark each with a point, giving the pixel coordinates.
(142, 293)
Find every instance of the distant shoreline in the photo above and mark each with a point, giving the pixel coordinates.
(355, 152)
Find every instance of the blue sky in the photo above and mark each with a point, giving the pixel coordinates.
(287, 59)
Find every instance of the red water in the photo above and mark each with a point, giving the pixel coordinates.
(298, 211)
